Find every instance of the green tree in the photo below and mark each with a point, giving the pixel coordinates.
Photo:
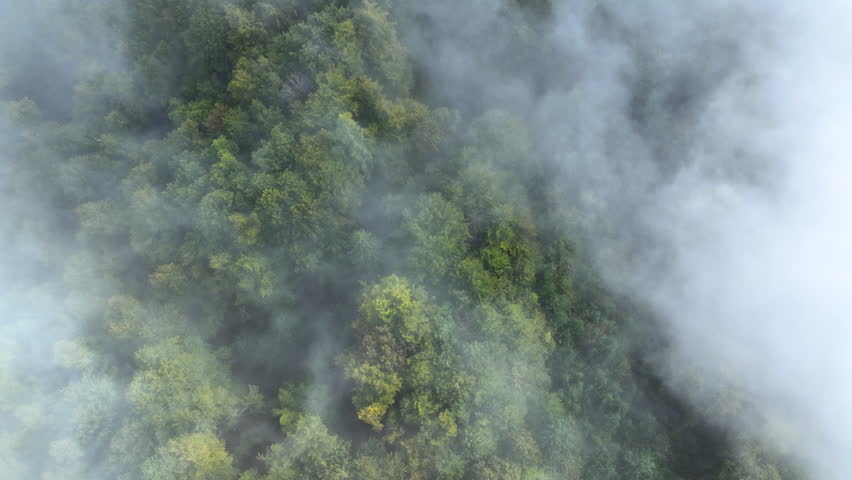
(309, 451)
(439, 235)
(182, 387)
(194, 456)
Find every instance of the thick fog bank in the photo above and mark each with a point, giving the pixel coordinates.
(715, 137)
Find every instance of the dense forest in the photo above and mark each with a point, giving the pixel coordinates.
(261, 239)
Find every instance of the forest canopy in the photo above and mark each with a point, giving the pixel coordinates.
(255, 241)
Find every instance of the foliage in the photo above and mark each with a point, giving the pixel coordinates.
(283, 263)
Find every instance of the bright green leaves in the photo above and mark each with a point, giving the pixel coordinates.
(309, 451)
(383, 54)
(251, 273)
(276, 152)
(439, 235)
(555, 287)
(750, 462)
(365, 249)
(253, 78)
(402, 366)
(194, 456)
(375, 462)
(375, 393)
(248, 34)
(229, 174)
(181, 387)
(504, 267)
(393, 324)
(286, 199)
(292, 400)
(345, 41)
(310, 43)
(393, 303)
(125, 316)
(338, 183)
(336, 94)
(410, 377)
(561, 439)
(309, 187)
(213, 212)
(509, 257)
(361, 43)
(355, 146)
(248, 228)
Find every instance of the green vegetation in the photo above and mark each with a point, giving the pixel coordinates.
(279, 261)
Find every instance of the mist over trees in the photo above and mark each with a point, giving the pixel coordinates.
(261, 240)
